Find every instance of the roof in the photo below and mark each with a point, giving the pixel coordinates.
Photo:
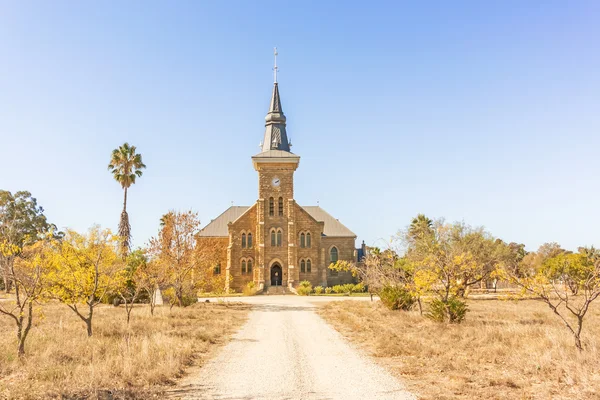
(333, 227)
(218, 226)
(276, 154)
(275, 131)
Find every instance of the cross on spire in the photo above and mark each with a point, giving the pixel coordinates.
(275, 67)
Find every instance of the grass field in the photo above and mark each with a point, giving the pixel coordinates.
(133, 363)
(504, 350)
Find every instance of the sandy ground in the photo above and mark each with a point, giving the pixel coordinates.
(286, 351)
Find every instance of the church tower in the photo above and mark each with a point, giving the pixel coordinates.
(275, 165)
(275, 244)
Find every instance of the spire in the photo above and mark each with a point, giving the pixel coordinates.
(275, 67)
(275, 133)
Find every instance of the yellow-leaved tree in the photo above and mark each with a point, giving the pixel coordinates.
(85, 268)
(28, 274)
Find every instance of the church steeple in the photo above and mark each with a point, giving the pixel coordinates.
(275, 132)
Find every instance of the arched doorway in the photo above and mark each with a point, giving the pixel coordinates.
(276, 275)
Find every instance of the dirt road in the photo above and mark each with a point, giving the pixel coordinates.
(286, 351)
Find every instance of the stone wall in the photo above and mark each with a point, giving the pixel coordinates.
(346, 251)
(246, 224)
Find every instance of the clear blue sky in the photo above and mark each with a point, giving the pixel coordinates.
(487, 112)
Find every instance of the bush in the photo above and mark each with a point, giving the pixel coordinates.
(328, 290)
(454, 311)
(318, 289)
(348, 288)
(396, 298)
(358, 288)
(305, 288)
(338, 289)
(187, 299)
(249, 289)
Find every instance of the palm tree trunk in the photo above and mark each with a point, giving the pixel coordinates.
(125, 201)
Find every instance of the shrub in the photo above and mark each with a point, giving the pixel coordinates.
(305, 288)
(318, 289)
(454, 311)
(186, 300)
(358, 288)
(347, 288)
(338, 289)
(249, 289)
(328, 290)
(396, 298)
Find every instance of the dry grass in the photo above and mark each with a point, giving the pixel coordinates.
(504, 350)
(62, 362)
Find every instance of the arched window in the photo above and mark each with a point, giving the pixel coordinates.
(273, 241)
(217, 269)
(249, 270)
(271, 207)
(279, 235)
(302, 266)
(302, 240)
(308, 240)
(308, 265)
(243, 240)
(249, 240)
(243, 267)
(333, 254)
(280, 207)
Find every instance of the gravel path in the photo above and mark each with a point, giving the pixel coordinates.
(286, 351)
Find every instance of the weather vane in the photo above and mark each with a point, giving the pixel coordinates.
(275, 67)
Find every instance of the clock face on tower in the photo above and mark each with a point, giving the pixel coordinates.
(275, 182)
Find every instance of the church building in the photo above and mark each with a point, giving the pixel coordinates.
(276, 242)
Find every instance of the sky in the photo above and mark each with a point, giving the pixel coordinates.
(482, 112)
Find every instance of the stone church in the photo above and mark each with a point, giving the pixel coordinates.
(275, 241)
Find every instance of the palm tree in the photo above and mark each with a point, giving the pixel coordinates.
(125, 165)
(419, 226)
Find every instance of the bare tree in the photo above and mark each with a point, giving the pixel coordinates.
(28, 275)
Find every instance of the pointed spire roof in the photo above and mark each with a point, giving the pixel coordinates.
(275, 131)
(275, 147)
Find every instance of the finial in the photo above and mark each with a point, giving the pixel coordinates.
(275, 67)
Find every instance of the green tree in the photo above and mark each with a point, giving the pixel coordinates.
(448, 259)
(567, 282)
(22, 222)
(126, 166)
(131, 287)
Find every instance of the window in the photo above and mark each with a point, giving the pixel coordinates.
(280, 207)
(249, 270)
(302, 240)
(273, 242)
(279, 234)
(302, 266)
(243, 267)
(249, 240)
(333, 254)
(271, 207)
(308, 240)
(308, 265)
(243, 240)
(217, 269)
